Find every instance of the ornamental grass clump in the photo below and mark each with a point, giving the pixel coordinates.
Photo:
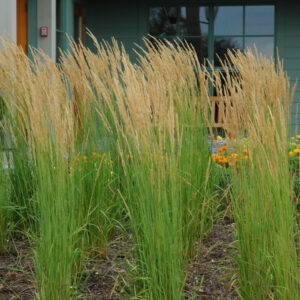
(96, 164)
(47, 195)
(153, 112)
(260, 95)
(15, 145)
(40, 123)
(98, 180)
(165, 133)
(5, 188)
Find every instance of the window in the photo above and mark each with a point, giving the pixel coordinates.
(189, 23)
(59, 28)
(212, 30)
(22, 21)
(78, 23)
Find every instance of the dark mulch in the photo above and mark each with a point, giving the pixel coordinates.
(210, 272)
(16, 272)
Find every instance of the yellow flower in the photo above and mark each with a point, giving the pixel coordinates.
(297, 150)
(291, 153)
(298, 137)
(84, 158)
(246, 151)
(94, 153)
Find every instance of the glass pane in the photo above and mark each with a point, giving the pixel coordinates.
(201, 47)
(165, 21)
(228, 20)
(222, 45)
(177, 21)
(76, 30)
(264, 45)
(58, 14)
(59, 44)
(195, 19)
(259, 20)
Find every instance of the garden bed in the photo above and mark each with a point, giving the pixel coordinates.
(211, 273)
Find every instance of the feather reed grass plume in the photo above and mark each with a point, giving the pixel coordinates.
(141, 96)
(154, 111)
(40, 118)
(252, 86)
(258, 96)
(36, 98)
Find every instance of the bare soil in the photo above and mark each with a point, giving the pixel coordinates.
(211, 272)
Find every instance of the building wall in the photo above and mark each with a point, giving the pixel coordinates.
(46, 16)
(118, 19)
(32, 23)
(288, 41)
(8, 19)
(127, 22)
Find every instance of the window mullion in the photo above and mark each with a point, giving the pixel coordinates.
(211, 47)
(244, 25)
(211, 34)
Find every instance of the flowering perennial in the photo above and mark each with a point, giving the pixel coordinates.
(229, 153)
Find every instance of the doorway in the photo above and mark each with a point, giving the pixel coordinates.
(22, 21)
(79, 28)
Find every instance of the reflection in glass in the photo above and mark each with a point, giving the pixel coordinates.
(222, 45)
(59, 44)
(259, 20)
(177, 21)
(58, 14)
(228, 20)
(264, 45)
(201, 47)
(59, 33)
(234, 27)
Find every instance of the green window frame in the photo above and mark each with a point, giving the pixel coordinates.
(64, 25)
(59, 28)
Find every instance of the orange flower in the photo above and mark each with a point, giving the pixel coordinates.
(225, 148)
(224, 160)
(214, 157)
